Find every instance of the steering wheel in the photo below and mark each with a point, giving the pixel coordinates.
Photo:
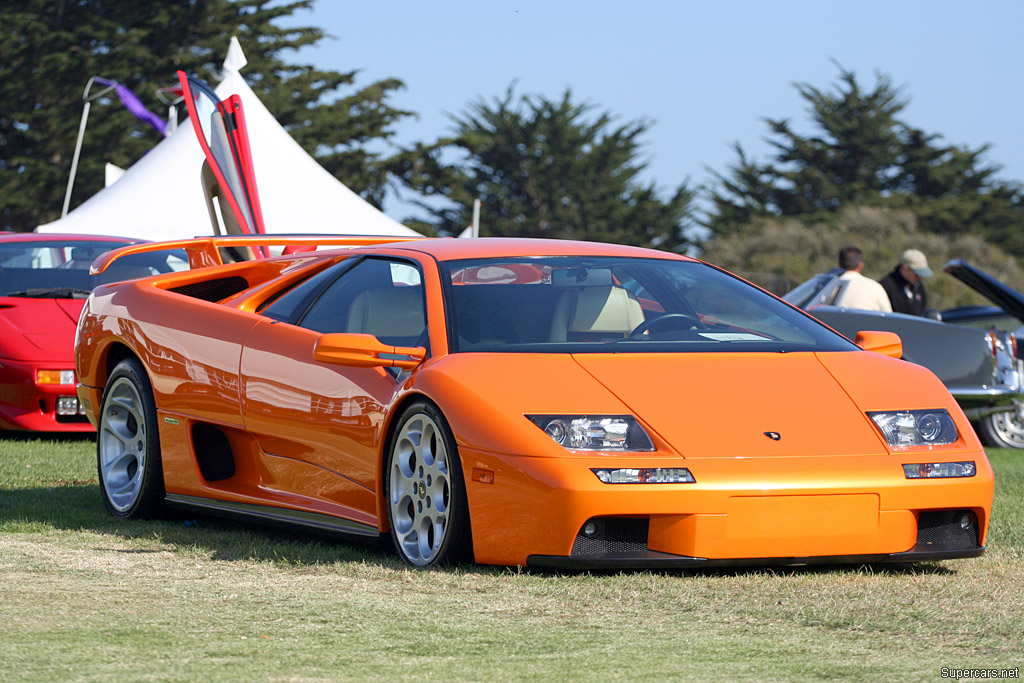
(674, 318)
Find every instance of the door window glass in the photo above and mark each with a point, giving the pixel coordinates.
(377, 296)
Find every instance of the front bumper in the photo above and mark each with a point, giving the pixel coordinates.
(772, 510)
(611, 543)
(27, 406)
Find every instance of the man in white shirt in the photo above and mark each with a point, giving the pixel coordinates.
(861, 292)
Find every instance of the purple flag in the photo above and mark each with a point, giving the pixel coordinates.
(135, 105)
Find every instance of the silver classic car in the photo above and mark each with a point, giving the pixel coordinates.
(973, 350)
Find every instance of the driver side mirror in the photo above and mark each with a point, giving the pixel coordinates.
(885, 343)
(366, 351)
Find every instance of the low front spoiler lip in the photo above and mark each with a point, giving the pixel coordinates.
(651, 559)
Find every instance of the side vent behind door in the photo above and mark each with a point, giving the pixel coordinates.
(213, 452)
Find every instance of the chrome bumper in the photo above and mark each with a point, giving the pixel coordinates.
(980, 402)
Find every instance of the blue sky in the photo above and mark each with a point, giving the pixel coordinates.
(705, 73)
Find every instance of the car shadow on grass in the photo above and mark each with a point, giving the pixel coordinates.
(78, 506)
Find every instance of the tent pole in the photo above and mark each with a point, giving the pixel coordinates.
(74, 160)
(475, 232)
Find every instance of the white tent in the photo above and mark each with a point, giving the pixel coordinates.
(161, 198)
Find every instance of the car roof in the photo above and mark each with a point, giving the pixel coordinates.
(499, 247)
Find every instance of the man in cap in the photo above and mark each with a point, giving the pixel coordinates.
(904, 284)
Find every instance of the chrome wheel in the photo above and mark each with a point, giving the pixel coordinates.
(1003, 430)
(420, 490)
(128, 445)
(122, 444)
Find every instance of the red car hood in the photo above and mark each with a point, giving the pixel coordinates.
(730, 404)
(38, 329)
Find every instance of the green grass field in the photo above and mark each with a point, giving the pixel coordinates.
(84, 597)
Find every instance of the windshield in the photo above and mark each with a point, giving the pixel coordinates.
(601, 304)
(824, 289)
(49, 269)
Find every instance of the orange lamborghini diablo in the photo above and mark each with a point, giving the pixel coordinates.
(521, 402)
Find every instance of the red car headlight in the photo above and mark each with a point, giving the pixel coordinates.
(55, 377)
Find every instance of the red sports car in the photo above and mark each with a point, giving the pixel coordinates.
(44, 281)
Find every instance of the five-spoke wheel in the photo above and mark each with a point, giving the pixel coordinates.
(127, 444)
(427, 509)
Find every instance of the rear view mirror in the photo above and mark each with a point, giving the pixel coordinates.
(366, 351)
(885, 343)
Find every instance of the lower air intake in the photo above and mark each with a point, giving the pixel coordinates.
(946, 530)
(604, 536)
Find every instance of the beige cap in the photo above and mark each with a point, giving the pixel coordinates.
(915, 260)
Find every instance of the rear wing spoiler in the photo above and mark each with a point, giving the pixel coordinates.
(205, 251)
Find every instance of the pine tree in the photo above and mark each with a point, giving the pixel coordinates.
(50, 48)
(862, 153)
(545, 168)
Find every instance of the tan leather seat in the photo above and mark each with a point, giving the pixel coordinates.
(594, 312)
(394, 315)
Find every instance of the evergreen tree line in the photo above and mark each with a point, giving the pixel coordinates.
(542, 167)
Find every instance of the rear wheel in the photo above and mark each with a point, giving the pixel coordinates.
(128, 445)
(428, 514)
(1002, 430)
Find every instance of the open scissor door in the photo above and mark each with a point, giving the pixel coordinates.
(228, 174)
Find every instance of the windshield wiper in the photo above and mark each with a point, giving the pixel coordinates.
(52, 293)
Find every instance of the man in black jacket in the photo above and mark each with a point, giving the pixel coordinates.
(904, 286)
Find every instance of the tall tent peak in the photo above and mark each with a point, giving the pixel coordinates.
(235, 59)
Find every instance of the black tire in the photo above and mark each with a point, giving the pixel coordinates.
(128, 444)
(1001, 430)
(425, 493)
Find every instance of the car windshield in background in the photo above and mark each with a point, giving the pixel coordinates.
(50, 269)
(599, 304)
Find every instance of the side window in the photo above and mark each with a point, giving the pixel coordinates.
(292, 303)
(377, 296)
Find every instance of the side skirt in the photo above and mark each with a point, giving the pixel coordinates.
(247, 512)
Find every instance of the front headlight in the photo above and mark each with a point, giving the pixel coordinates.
(910, 428)
(595, 432)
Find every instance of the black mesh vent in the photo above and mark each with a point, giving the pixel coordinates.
(944, 530)
(613, 535)
(213, 290)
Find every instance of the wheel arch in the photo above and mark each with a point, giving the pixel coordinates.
(114, 353)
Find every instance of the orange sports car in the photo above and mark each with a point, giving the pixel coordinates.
(521, 402)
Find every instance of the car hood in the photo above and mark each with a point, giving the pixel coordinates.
(735, 405)
(708, 405)
(1007, 298)
(38, 329)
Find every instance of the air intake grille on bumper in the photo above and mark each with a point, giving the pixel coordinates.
(946, 530)
(612, 535)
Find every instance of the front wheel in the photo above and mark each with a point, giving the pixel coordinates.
(428, 514)
(1002, 430)
(128, 445)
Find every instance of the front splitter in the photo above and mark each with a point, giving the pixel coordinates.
(656, 560)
